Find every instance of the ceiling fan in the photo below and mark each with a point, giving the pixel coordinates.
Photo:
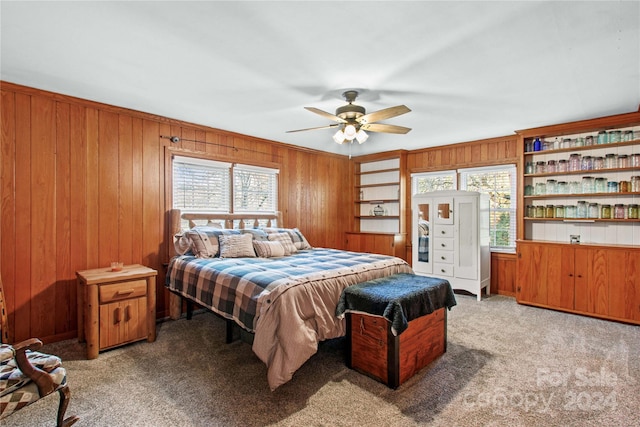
(352, 120)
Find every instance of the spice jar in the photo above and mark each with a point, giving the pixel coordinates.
(632, 211)
(593, 210)
(605, 212)
(559, 211)
(618, 211)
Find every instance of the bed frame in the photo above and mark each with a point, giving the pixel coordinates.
(202, 218)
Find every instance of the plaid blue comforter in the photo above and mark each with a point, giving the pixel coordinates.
(236, 288)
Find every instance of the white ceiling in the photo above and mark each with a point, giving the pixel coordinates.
(467, 70)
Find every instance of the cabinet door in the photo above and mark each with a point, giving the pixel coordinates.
(560, 277)
(122, 322)
(624, 284)
(466, 209)
(592, 280)
(532, 273)
(422, 236)
(443, 210)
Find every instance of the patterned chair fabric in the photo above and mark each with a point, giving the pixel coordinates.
(16, 389)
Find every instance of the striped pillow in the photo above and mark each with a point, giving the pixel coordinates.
(297, 237)
(285, 240)
(204, 240)
(268, 249)
(236, 246)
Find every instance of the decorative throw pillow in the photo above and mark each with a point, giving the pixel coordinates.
(182, 243)
(236, 246)
(204, 240)
(285, 240)
(297, 237)
(256, 233)
(268, 249)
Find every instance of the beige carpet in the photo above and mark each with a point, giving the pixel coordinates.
(506, 365)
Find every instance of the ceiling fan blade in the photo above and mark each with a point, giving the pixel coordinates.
(320, 127)
(325, 114)
(384, 128)
(384, 114)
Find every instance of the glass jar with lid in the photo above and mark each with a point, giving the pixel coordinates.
(610, 161)
(632, 211)
(574, 162)
(593, 210)
(605, 211)
(549, 211)
(601, 185)
(586, 163)
(531, 211)
(551, 186)
(575, 187)
(615, 136)
(623, 161)
(627, 135)
(529, 168)
(598, 162)
(541, 167)
(635, 160)
(588, 184)
(539, 211)
(562, 187)
(588, 140)
(570, 211)
(552, 166)
(559, 211)
(528, 190)
(540, 189)
(563, 165)
(619, 211)
(612, 187)
(635, 184)
(582, 209)
(603, 137)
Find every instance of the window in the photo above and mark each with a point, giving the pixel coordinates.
(435, 181)
(499, 182)
(205, 185)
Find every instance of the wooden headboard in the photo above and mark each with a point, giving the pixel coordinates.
(225, 220)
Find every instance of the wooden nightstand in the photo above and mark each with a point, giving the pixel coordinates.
(116, 307)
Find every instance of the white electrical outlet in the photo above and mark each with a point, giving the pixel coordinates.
(574, 238)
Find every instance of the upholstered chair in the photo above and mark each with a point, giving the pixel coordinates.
(27, 375)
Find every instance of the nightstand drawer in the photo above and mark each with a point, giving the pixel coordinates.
(122, 290)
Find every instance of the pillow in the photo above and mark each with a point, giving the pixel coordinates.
(204, 240)
(297, 237)
(285, 240)
(268, 249)
(181, 243)
(423, 227)
(236, 246)
(256, 233)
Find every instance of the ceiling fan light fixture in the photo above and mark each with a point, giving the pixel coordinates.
(338, 137)
(361, 136)
(350, 132)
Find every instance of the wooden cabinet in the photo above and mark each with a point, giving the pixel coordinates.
(380, 243)
(451, 238)
(116, 307)
(379, 205)
(594, 280)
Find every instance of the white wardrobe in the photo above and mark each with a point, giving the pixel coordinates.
(450, 238)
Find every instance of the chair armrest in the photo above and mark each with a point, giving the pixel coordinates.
(42, 379)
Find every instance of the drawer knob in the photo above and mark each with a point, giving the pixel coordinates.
(443, 232)
(443, 245)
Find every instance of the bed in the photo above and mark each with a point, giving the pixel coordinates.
(288, 302)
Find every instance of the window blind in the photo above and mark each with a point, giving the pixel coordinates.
(201, 185)
(255, 189)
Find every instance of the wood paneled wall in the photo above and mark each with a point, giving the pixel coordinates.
(83, 184)
(479, 153)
